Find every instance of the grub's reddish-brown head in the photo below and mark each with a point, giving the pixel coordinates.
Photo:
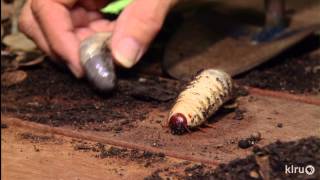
(178, 124)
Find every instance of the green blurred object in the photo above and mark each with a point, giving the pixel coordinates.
(115, 7)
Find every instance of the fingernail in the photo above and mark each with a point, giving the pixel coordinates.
(127, 52)
(75, 71)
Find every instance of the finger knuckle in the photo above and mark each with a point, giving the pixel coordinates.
(24, 22)
(152, 24)
(37, 6)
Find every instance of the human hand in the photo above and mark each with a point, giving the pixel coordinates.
(58, 27)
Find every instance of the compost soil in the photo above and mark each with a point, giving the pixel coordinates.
(51, 96)
(295, 70)
(264, 163)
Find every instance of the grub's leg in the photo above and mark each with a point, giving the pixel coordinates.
(208, 125)
(274, 21)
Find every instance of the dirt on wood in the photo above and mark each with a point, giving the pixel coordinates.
(29, 154)
(106, 151)
(267, 162)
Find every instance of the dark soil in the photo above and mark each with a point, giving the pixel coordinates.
(294, 71)
(135, 155)
(250, 141)
(83, 146)
(38, 138)
(4, 126)
(53, 97)
(266, 162)
(279, 125)
(106, 151)
(153, 176)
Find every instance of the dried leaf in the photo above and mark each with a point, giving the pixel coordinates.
(14, 77)
(29, 59)
(19, 42)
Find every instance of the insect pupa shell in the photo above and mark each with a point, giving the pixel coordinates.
(202, 97)
(97, 60)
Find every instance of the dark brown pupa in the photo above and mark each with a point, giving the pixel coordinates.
(97, 61)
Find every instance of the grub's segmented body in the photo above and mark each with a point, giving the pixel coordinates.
(97, 61)
(201, 98)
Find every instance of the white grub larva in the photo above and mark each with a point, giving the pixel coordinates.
(202, 97)
(97, 61)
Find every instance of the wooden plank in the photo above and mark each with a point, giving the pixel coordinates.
(57, 159)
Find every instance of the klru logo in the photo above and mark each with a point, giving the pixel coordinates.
(309, 169)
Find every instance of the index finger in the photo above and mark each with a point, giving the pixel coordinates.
(55, 21)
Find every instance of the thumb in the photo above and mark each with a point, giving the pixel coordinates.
(135, 29)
